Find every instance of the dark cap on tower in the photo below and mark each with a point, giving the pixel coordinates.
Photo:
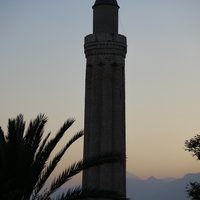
(106, 2)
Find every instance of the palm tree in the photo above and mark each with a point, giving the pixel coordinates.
(23, 163)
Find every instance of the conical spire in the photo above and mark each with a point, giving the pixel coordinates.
(106, 2)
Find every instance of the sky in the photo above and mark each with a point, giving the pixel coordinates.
(42, 70)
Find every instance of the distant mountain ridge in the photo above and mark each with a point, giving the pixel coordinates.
(159, 189)
(150, 189)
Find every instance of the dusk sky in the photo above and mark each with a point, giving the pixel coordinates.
(42, 70)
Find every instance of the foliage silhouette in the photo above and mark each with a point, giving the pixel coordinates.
(24, 166)
(193, 145)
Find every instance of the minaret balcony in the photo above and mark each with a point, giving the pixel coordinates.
(105, 43)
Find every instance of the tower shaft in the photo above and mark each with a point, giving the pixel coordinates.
(105, 52)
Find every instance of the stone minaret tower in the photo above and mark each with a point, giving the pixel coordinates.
(105, 52)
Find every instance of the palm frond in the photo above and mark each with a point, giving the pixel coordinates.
(3, 161)
(24, 158)
(19, 131)
(77, 167)
(41, 147)
(14, 154)
(32, 141)
(49, 169)
(2, 151)
(11, 130)
(14, 145)
(79, 193)
(20, 126)
(48, 148)
(34, 135)
(42, 157)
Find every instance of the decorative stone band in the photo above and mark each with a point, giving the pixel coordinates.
(104, 44)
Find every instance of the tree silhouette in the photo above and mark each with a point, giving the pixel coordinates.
(193, 145)
(23, 163)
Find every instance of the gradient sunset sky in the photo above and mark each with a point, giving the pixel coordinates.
(42, 70)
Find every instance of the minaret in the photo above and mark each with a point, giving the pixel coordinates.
(105, 52)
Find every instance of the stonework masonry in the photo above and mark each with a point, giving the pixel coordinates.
(100, 16)
(105, 51)
(105, 43)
